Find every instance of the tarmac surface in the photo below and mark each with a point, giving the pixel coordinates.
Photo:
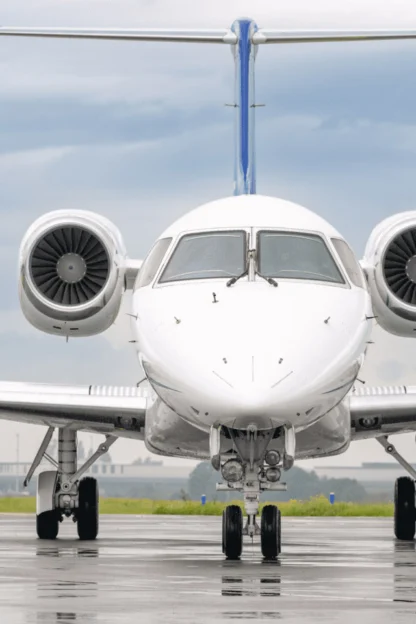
(170, 569)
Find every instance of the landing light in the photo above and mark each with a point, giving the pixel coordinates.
(368, 423)
(232, 471)
(272, 458)
(273, 474)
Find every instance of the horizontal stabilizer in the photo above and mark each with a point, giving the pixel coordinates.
(265, 35)
(126, 34)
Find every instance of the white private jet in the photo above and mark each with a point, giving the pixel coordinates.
(251, 318)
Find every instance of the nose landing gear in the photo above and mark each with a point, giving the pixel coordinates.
(251, 472)
(232, 532)
(271, 540)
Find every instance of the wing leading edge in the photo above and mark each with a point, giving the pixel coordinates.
(121, 411)
(100, 409)
(382, 411)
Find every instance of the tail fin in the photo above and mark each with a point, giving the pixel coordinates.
(244, 36)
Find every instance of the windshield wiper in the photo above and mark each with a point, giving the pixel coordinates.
(251, 257)
(270, 280)
(235, 279)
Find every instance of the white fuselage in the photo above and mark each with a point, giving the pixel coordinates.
(250, 352)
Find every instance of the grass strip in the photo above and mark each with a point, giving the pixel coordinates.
(317, 506)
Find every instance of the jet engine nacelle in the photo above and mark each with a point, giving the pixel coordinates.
(72, 268)
(390, 265)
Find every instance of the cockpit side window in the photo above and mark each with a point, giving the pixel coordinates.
(207, 255)
(349, 262)
(152, 263)
(296, 255)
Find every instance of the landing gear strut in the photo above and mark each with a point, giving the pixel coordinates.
(252, 471)
(404, 496)
(62, 492)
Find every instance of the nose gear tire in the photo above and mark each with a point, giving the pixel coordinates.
(270, 532)
(232, 532)
(88, 510)
(404, 509)
(47, 525)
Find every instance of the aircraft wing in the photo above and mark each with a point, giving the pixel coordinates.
(382, 411)
(119, 411)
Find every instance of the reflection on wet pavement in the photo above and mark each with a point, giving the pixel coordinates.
(238, 586)
(170, 570)
(58, 551)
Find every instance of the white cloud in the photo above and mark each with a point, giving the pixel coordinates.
(38, 158)
(116, 71)
(187, 13)
(12, 322)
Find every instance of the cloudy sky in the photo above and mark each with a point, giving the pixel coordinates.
(139, 132)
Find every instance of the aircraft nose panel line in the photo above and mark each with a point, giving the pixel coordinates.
(348, 383)
(282, 379)
(222, 379)
(161, 385)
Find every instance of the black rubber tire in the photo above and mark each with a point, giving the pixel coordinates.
(404, 509)
(270, 532)
(88, 511)
(47, 525)
(232, 532)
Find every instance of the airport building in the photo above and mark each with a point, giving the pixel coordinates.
(377, 478)
(149, 479)
(152, 479)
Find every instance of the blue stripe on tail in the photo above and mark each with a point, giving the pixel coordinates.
(245, 171)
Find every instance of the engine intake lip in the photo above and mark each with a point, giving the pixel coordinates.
(69, 265)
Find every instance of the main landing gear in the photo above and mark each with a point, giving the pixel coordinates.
(62, 492)
(253, 470)
(404, 496)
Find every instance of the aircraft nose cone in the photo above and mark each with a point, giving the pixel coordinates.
(252, 405)
(252, 395)
(253, 377)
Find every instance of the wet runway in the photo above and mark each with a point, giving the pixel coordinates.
(147, 569)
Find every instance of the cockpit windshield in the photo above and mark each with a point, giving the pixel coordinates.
(294, 255)
(207, 255)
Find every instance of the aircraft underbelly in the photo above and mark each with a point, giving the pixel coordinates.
(166, 433)
(330, 435)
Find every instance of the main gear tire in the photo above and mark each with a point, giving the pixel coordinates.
(47, 525)
(87, 514)
(404, 509)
